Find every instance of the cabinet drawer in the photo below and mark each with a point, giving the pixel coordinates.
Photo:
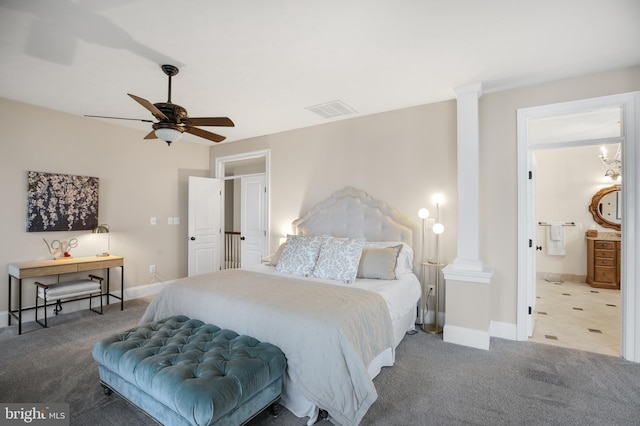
(605, 274)
(607, 245)
(604, 253)
(605, 261)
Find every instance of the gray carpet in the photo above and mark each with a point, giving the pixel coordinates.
(432, 383)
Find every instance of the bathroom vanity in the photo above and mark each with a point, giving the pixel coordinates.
(603, 248)
(603, 260)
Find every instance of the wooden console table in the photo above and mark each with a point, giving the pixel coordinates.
(40, 268)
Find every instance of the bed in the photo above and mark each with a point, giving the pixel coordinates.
(336, 327)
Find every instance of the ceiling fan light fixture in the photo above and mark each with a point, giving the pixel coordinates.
(168, 135)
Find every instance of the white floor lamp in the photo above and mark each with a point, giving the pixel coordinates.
(438, 228)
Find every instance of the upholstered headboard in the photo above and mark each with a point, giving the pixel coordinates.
(354, 213)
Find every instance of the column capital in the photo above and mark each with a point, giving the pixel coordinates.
(468, 88)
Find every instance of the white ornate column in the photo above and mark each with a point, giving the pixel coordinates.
(467, 278)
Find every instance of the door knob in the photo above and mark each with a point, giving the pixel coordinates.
(242, 238)
(193, 238)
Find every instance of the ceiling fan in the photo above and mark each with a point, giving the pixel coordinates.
(173, 120)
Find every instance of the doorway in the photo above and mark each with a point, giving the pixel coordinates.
(570, 312)
(245, 209)
(630, 296)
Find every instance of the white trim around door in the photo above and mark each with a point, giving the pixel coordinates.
(630, 268)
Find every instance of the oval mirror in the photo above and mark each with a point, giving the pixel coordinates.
(606, 207)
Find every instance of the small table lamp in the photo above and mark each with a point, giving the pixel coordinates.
(103, 229)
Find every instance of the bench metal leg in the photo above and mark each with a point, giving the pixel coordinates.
(45, 311)
(95, 310)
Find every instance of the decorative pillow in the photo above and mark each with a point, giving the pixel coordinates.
(405, 257)
(379, 262)
(299, 255)
(338, 259)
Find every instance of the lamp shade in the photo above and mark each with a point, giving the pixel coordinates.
(438, 198)
(101, 229)
(168, 135)
(438, 228)
(423, 213)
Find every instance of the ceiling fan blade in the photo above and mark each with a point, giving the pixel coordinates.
(119, 118)
(205, 134)
(151, 107)
(151, 135)
(211, 121)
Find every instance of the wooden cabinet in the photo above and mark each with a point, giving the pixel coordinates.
(603, 263)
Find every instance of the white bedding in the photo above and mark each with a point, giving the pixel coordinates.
(401, 294)
(327, 369)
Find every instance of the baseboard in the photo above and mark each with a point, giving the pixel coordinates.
(466, 337)
(503, 330)
(144, 290)
(78, 305)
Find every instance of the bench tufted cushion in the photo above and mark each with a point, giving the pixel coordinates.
(197, 370)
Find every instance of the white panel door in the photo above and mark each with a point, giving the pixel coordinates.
(253, 219)
(204, 225)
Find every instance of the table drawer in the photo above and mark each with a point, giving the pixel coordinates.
(604, 253)
(605, 261)
(607, 245)
(605, 274)
(47, 270)
(90, 266)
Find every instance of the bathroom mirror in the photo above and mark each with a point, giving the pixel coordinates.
(606, 207)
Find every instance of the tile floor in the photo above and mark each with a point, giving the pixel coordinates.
(575, 315)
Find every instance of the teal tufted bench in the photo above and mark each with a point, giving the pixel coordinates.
(182, 371)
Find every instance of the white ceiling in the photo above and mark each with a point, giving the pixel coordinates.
(263, 62)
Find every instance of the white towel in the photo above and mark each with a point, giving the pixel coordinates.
(555, 239)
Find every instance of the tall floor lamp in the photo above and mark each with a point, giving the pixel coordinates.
(423, 214)
(438, 228)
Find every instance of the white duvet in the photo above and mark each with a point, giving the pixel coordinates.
(329, 333)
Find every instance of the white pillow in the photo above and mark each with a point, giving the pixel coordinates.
(339, 259)
(299, 255)
(405, 257)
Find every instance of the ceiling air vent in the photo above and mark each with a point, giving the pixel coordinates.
(332, 109)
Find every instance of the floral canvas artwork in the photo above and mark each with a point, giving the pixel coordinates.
(58, 202)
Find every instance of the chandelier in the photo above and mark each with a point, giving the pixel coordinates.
(612, 165)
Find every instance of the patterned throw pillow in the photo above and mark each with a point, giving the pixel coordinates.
(338, 259)
(299, 255)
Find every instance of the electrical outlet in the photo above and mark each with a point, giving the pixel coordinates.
(431, 287)
(152, 269)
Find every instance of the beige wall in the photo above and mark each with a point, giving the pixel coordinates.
(138, 179)
(405, 156)
(402, 157)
